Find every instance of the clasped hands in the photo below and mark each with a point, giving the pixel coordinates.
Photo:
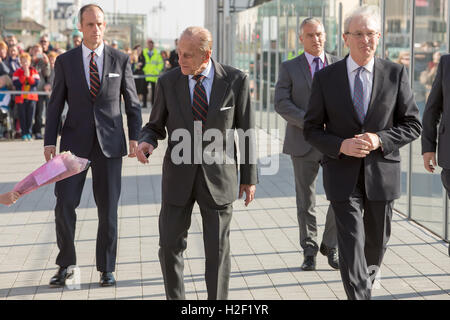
(360, 145)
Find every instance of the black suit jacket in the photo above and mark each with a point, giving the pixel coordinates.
(229, 109)
(331, 118)
(87, 118)
(437, 109)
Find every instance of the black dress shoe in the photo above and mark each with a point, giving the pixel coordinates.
(107, 279)
(59, 279)
(331, 254)
(309, 264)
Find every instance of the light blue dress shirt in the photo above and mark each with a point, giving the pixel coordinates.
(98, 59)
(206, 82)
(366, 76)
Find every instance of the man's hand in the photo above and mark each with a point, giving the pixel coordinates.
(427, 158)
(143, 149)
(249, 190)
(133, 148)
(355, 147)
(372, 138)
(49, 152)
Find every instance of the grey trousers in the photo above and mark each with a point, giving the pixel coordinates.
(174, 223)
(305, 171)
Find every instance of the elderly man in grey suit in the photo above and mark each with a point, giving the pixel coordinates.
(359, 124)
(201, 97)
(292, 93)
(437, 113)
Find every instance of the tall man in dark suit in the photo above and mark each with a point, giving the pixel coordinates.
(91, 78)
(200, 98)
(361, 112)
(292, 93)
(436, 112)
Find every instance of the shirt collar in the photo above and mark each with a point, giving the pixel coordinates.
(206, 72)
(310, 57)
(353, 66)
(87, 51)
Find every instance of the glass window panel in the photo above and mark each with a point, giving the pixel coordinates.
(429, 44)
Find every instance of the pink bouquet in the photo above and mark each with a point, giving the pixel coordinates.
(60, 167)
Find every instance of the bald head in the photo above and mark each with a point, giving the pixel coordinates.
(201, 35)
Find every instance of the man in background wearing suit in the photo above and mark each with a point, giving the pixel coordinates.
(292, 93)
(436, 112)
(361, 112)
(200, 97)
(91, 78)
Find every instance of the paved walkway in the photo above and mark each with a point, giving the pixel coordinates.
(266, 255)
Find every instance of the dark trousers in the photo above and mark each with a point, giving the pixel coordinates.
(153, 85)
(26, 115)
(40, 106)
(174, 223)
(363, 230)
(106, 183)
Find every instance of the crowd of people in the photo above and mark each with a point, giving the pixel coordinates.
(28, 69)
(32, 69)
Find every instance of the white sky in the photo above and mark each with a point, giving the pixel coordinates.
(167, 23)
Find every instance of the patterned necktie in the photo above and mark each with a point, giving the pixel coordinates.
(317, 68)
(200, 100)
(358, 96)
(94, 78)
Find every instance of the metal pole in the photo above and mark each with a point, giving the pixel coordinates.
(383, 28)
(339, 31)
(261, 74)
(411, 82)
(269, 68)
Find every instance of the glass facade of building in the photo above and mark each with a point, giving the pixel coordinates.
(414, 33)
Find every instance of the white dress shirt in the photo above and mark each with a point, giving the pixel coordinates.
(98, 59)
(206, 82)
(312, 64)
(366, 76)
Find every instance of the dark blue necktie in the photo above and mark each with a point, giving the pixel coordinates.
(317, 68)
(200, 100)
(358, 95)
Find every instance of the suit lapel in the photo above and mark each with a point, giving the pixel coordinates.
(344, 87)
(218, 91)
(80, 61)
(184, 101)
(304, 66)
(377, 85)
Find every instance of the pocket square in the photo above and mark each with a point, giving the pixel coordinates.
(226, 108)
(113, 75)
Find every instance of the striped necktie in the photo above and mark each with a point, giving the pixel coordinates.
(94, 78)
(358, 96)
(200, 100)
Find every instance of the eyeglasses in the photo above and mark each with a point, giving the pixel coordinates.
(360, 35)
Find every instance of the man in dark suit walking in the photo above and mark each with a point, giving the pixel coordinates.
(436, 112)
(201, 98)
(91, 79)
(361, 112)
(292, 93)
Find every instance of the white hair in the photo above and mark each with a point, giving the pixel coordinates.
(369, 12)
(310, 20)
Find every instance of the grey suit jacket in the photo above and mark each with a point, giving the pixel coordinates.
(88, 118)
(438, 109)
(292, 93)
(331, 118)
(229, 108)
